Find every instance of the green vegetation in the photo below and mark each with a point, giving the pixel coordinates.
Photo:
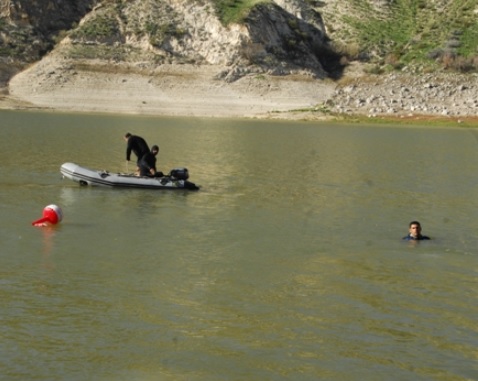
(420, 34)
(416, 31)
(158, 33)
(118, 54)
(425, 121)
(20, 43)
(104, 52)
(407, 31)
(101, 27)
(234, 11)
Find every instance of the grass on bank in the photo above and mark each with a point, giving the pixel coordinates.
(433, 34)
(416, 120)
(234, 11)
(419, 32)
(320, 114)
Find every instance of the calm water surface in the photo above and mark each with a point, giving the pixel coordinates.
(288, 264)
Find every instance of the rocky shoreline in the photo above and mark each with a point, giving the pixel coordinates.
(196, 91)
(442, 95)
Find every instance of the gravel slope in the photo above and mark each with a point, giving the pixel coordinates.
(188, 90)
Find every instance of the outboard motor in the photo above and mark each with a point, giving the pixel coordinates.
(179, 173)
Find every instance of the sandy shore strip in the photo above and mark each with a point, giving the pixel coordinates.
(196, 91)
(173, 90)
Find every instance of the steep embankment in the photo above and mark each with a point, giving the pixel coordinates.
(29, 29)
(176, 57)
(185, 63)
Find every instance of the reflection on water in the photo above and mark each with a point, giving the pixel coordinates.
(287, 264)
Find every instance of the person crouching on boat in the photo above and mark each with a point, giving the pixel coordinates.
(147, 164)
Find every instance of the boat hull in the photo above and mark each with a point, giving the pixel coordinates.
(85, 176)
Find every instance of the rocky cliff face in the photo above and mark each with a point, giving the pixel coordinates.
(46, 17)
(28, 29)
(91, 38)
(271, 38)
(281, 37)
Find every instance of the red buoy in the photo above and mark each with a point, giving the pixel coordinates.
(52, 214)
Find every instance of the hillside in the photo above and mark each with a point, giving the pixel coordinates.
(311, 50)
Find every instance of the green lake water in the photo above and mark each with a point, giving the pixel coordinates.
(288, 264)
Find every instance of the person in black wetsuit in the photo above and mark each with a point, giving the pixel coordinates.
(415, 232)
(136, 144)
(147, 164)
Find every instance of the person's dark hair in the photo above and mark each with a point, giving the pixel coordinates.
(127, 135)
(414, 223)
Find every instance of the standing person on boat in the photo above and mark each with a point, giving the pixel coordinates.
(136, 144)
(147, 164)
(415, 232)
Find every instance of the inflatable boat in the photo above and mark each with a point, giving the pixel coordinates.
(176, 179)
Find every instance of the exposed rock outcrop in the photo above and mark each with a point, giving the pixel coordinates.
(398, 94)
(28, 30)
(46, 17)
(272, 39)
(86, 43)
